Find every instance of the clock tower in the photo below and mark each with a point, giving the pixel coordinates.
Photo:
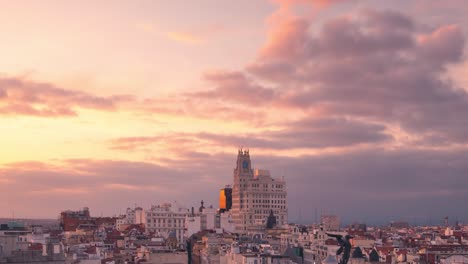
(255, 194)
(243, 167)
(242, 174)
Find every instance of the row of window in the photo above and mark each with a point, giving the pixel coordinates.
(164, 215)
(163, 220)
(263, 195)
(268, 206)
(266, 212)
(164, 225)
(163, 230)
(265, 187)
(269, 201)
(264, 201)
(264, 206)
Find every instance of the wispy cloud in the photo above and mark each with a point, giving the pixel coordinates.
(146, 27)
(19, 96)
(185, 37)
(58, 191)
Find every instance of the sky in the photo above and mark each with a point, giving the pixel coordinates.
(360, 105)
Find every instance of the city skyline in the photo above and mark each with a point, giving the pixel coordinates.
(359, 105)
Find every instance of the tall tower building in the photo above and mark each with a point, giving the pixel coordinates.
(255, 194)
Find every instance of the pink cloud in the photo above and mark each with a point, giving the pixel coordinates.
(19, 96)
(286, 40)
(285, 6)
(308, 133)
(184, 37)
(377, 66)
(234, 87)
(444, 44)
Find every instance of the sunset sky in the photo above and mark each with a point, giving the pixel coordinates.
(361, 105)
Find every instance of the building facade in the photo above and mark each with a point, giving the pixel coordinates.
(70, 220)
(136, 216)
(330, 222)
(166, 219)
(209, 219)
(255, 194)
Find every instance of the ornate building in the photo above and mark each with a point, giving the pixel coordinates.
(167, 219)
(255, 194)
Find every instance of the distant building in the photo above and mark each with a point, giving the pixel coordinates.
(399, 224)
(70, 220)
(225, 199)
(209, 219)
(433, 254)
(255, 194)
(28, 244)
(167, 257)
(166, 218)
(330, 222)
(136, 216)
(81, 219)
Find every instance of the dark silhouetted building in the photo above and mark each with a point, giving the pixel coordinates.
(225, 198)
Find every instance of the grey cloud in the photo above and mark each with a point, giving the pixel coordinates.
(43, 189)
(376, 185)
(372, 185)
(305, 133)
(235, 87)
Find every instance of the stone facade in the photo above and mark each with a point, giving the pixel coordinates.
(255, 194)
(166, 220)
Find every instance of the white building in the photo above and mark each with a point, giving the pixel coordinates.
(36, 235)
(255, 194)
(139, 216)
(120, 223)
(166, 218)
(192, 224)
(209, 219)
(296, 236)
(132, 216)
(227, 222)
